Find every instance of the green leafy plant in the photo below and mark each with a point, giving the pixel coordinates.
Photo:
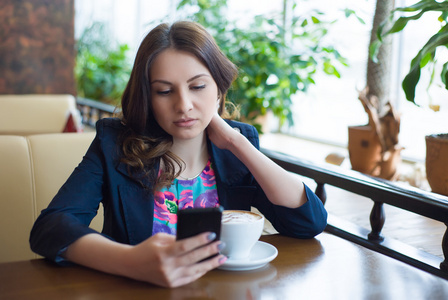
(427, 54)
(102, 70)
(276, 58)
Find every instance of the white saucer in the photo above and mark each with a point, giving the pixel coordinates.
(262, 253)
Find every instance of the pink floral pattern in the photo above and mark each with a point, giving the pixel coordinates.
(184, 194)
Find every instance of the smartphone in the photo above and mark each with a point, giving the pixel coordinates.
(193, 221)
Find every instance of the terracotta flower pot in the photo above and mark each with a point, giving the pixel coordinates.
(364, 149)
(437, 162)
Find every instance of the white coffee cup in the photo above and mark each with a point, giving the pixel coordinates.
(240, 230)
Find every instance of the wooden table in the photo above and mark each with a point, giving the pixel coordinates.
(326, 267)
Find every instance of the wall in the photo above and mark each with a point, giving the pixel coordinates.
(37, 47)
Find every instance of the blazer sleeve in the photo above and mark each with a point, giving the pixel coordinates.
(306, 221)
(69, 214)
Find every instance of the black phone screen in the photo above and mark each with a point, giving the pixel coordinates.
(193, 221)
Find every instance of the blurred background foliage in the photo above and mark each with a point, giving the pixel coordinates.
(278, 55)
(102, 67)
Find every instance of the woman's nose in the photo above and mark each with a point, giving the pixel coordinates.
(184, 103)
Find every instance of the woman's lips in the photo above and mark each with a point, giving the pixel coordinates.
(185, 122)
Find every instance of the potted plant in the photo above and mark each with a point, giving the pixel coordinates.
(373, 148)
(436, 145)
(102, 68)
(276, 58)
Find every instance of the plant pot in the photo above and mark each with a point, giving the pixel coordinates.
(364, 149)
(437, 162)
(365, 153)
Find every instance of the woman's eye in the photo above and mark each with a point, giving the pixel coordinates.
(198, 87)
(164, 92)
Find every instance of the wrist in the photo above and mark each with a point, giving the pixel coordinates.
(125, 260)
(239, 144)
(236, 142)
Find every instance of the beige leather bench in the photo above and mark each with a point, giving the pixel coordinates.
(32, 169)
(36, 114)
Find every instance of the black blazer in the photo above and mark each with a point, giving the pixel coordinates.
(129, 208)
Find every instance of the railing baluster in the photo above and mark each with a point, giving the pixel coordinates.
(90, 118)
(444, 264)
(82, 111)
(321, 192)
(377, 219)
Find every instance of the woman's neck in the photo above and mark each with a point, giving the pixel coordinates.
(193, 152)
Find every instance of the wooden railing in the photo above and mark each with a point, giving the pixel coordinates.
(430, 205)
(91, 111)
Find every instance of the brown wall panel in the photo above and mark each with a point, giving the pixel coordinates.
(37, 47)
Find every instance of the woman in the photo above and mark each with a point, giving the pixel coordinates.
(171, 150)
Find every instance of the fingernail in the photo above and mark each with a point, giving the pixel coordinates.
(222, 260)
(221, 246)
(211, 236)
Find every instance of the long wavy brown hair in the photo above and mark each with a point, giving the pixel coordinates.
(144, 142)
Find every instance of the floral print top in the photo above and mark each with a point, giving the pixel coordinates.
(197, 192)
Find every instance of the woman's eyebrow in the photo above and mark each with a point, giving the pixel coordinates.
(160, 81)
(188, 81)
(197, 76)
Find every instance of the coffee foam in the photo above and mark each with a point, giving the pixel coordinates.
(232, 216)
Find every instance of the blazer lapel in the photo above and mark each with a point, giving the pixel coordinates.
(138, 177)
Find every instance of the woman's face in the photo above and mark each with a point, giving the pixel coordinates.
(184, 94)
